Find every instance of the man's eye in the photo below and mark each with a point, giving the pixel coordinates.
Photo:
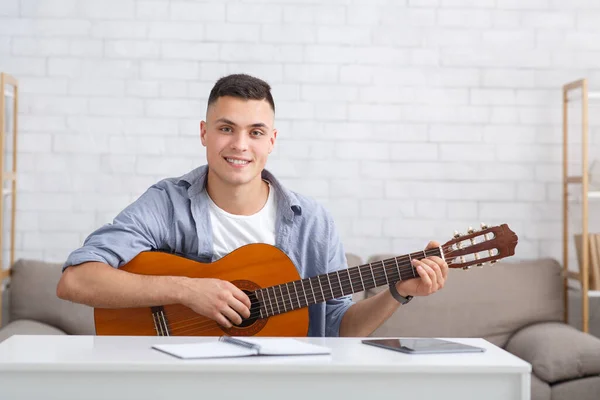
(257, 133)
(226, 129)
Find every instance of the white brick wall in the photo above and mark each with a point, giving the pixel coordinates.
(407, 119)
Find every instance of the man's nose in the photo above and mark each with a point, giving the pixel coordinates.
(240, 141)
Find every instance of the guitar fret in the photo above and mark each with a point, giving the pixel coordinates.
(296, 290)
(350, 280)
(304, 291)
(290, 296)
(264, 304)
(322, 292)
(373, 275)
(270, 303)
(398, 268)
(276, 300)
(312, 290)
(282, 298)
(412, 266)
(330, 287)
(385, 272)
(361, 279)
(340, 281)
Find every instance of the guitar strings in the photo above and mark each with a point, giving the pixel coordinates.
(208, 324)
(177, 327)
(280, 300)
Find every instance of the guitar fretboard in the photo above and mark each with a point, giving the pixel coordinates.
(291, 296)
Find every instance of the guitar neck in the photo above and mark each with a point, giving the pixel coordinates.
(291, 296)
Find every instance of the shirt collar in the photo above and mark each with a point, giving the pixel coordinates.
(288, 201)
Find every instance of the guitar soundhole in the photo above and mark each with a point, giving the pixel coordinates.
(255, 323)
(254, 311)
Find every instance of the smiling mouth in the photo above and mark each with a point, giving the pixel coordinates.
(235, 161)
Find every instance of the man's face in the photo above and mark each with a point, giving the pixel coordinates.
(238, 135)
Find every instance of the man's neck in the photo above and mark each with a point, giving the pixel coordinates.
(238, 200)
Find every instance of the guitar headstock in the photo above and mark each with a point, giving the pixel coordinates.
(487, 245)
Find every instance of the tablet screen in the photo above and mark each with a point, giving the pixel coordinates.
(423, 346)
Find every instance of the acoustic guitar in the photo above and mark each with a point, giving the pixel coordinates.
(278, 296)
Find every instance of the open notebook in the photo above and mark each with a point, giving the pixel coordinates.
(228, 346)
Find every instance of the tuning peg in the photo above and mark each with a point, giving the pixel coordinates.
(480, 265)
(493, 262)
(483, 225)
(470, 230)
(467, 267)
(457, 234)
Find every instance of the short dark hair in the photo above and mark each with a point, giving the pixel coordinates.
(242, 86)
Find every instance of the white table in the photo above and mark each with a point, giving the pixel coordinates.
(115, 368)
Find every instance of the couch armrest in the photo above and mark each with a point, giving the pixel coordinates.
(557, 351)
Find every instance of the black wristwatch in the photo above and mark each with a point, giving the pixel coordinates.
(401, 299)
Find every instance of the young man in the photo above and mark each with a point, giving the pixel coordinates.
(216, 208)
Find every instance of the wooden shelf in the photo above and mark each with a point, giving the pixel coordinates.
(578, 92)
(8, 97)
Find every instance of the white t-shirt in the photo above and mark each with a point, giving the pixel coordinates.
(232, 231)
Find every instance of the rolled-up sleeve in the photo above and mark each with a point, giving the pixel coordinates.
(336, 308)
(141, 226)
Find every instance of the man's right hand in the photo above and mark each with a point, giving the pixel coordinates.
(216, 299)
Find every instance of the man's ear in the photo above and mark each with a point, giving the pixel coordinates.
(203, 133)
(272, 140)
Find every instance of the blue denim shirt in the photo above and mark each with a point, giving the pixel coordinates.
(172, 215)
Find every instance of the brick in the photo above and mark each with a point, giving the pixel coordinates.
(523, 5)
(365, 151)
(198, 12)
(39, 47)
(235, 33)
(24, 66)
(137, 145)
(80, 144)
(289, 34)
(97, 87)
(169, 70)
(464, 18)
(119, 30)
(131, 49)
(86, 48)
(151, 9)
(190, 51)
(54, 86)
(343, 35)
(116, 107)
(265, 13)
(472, 152)
(176, 30)
(415, 151)
(173, 108)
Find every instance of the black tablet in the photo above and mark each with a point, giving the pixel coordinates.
(423, 346)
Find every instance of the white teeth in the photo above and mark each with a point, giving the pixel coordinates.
(240, 162)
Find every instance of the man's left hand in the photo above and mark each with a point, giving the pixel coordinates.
(432, 271)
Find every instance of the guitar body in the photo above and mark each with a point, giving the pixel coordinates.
(250, 267)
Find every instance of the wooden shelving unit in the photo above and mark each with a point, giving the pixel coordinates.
(9, 92)
(583, 276)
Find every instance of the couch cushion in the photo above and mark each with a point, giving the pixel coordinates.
(557, 351)
(580, 389)
(540, 390)
(490, 302)
(28, 327)
(33, 296)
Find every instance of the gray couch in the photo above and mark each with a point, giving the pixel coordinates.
(517, 306)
